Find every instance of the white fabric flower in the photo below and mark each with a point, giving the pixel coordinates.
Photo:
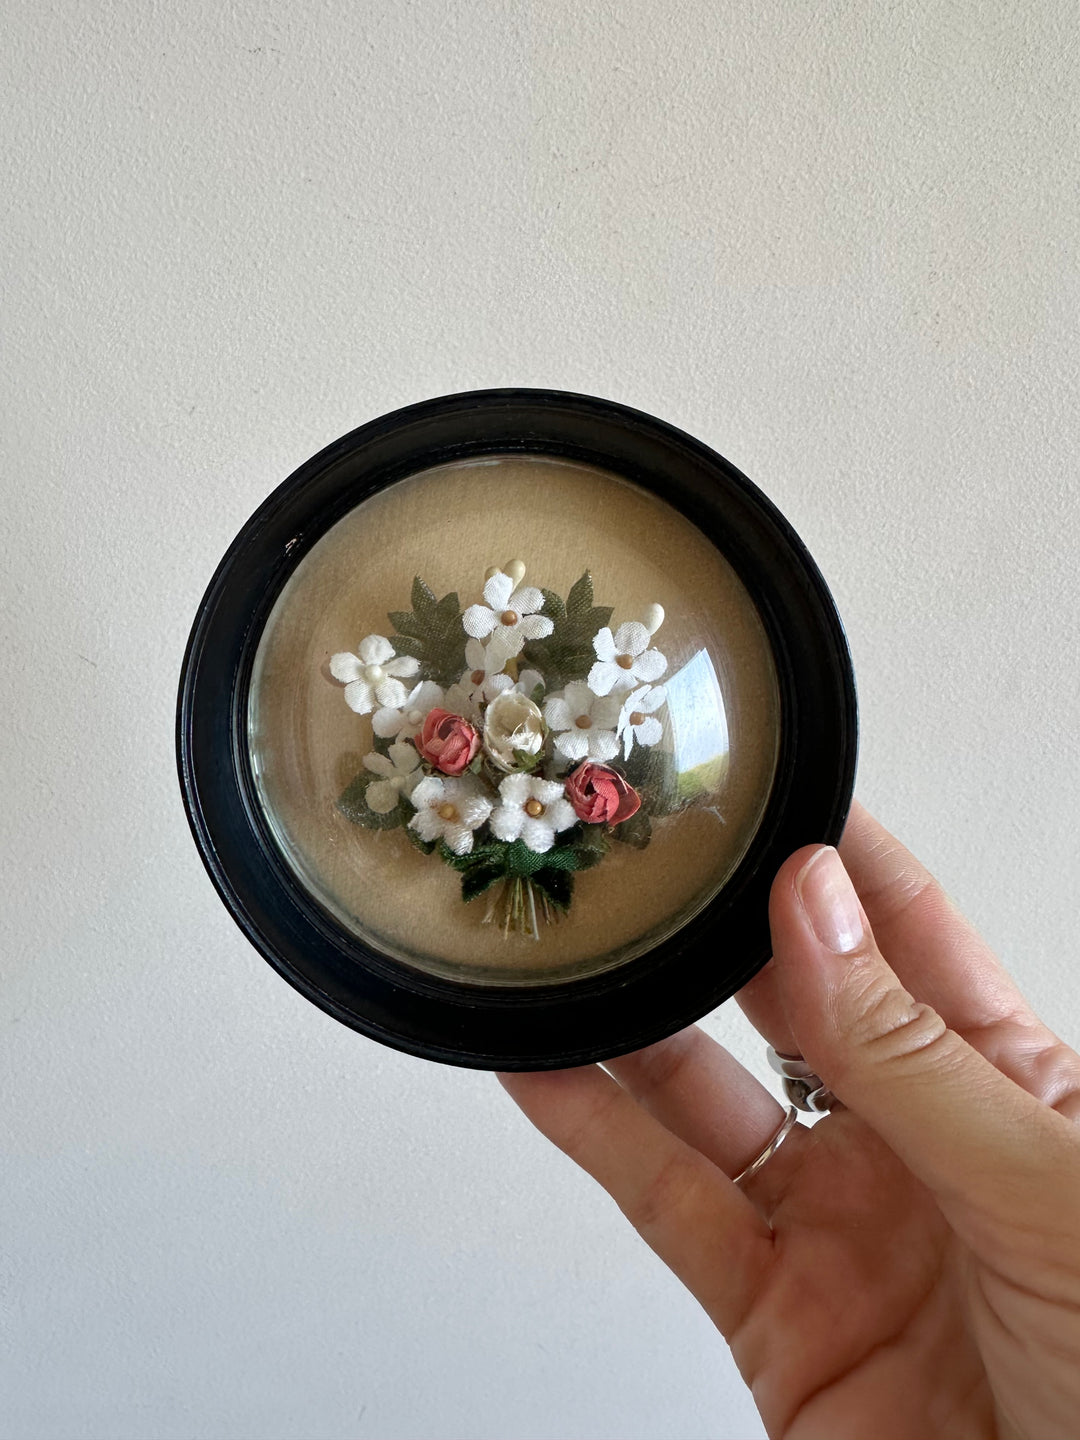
(469, 699)
(532, 810)
(527, 682)
(409, 719)
(587, 722)
(459, 701)
(400, 772)
(623, 659)
(637, 721)
(512, 725)
(374, 676)
(449, 809)
(485, 677)
(509, 618)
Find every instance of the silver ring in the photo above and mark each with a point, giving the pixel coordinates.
(786, 1127)
(801, 1086)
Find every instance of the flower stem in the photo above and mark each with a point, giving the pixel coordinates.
(530, 892)
(515, 908)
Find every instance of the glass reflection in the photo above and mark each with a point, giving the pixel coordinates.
(699, 729)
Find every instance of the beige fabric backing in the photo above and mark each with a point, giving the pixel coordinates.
(449, 525)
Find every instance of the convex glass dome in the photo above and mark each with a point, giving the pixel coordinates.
(513, 720)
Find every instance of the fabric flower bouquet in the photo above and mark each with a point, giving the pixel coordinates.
(515, 740)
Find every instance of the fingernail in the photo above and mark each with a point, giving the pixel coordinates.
(830, 902)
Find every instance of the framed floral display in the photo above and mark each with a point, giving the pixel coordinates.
(498, 718)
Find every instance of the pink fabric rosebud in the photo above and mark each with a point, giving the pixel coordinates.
(600, 795)
(447, 741)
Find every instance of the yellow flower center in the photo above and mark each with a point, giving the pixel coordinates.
(509, 617)
(448, 811)
(626, 662)
(534, 808)
(583, 722)
(637, 718)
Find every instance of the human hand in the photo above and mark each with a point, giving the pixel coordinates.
(909, 1267)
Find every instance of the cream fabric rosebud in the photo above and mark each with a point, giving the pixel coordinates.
(512, 723)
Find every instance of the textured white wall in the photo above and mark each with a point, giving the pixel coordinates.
(839, 242)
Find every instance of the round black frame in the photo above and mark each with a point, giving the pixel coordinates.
(537, 1026)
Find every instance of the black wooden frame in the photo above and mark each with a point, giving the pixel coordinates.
(535, 1026)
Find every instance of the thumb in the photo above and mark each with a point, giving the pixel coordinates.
(997, 1159)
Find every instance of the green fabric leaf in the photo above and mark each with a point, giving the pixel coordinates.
(637, 831)
(482, 867)
(559, 857)
(592, 847)
(553, 606)
(406, 623)
(580, 600)
(490, 851)
(570, 852)
(557, 885)
(567, 653)
(432, 633)
(479, 879)
(514, 858)
(525, 862)
(423, 599)
(651, 771)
